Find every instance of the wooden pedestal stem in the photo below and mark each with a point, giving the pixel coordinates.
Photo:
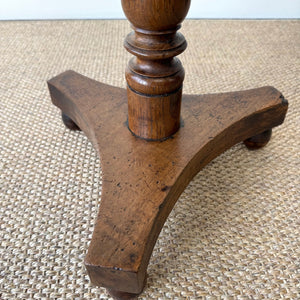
(154, 76)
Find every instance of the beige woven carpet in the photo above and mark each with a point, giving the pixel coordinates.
(235, 231)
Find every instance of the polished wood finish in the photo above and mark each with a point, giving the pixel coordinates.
(155, 76)
(151, 145)
(142, 180)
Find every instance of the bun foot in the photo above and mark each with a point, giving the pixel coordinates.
(118, 295)
(69, 123)
(258, 141)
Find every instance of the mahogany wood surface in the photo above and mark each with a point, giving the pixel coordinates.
(142, 180)
(146, 160)
(155, 76)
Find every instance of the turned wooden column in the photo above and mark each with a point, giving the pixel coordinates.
(155, 76)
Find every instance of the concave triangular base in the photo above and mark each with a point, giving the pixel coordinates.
(142, 180)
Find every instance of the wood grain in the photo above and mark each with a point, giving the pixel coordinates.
(155, 76)
(142, 180)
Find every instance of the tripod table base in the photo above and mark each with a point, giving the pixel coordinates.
(142, 180)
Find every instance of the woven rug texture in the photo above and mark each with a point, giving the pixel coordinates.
(234, 232)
